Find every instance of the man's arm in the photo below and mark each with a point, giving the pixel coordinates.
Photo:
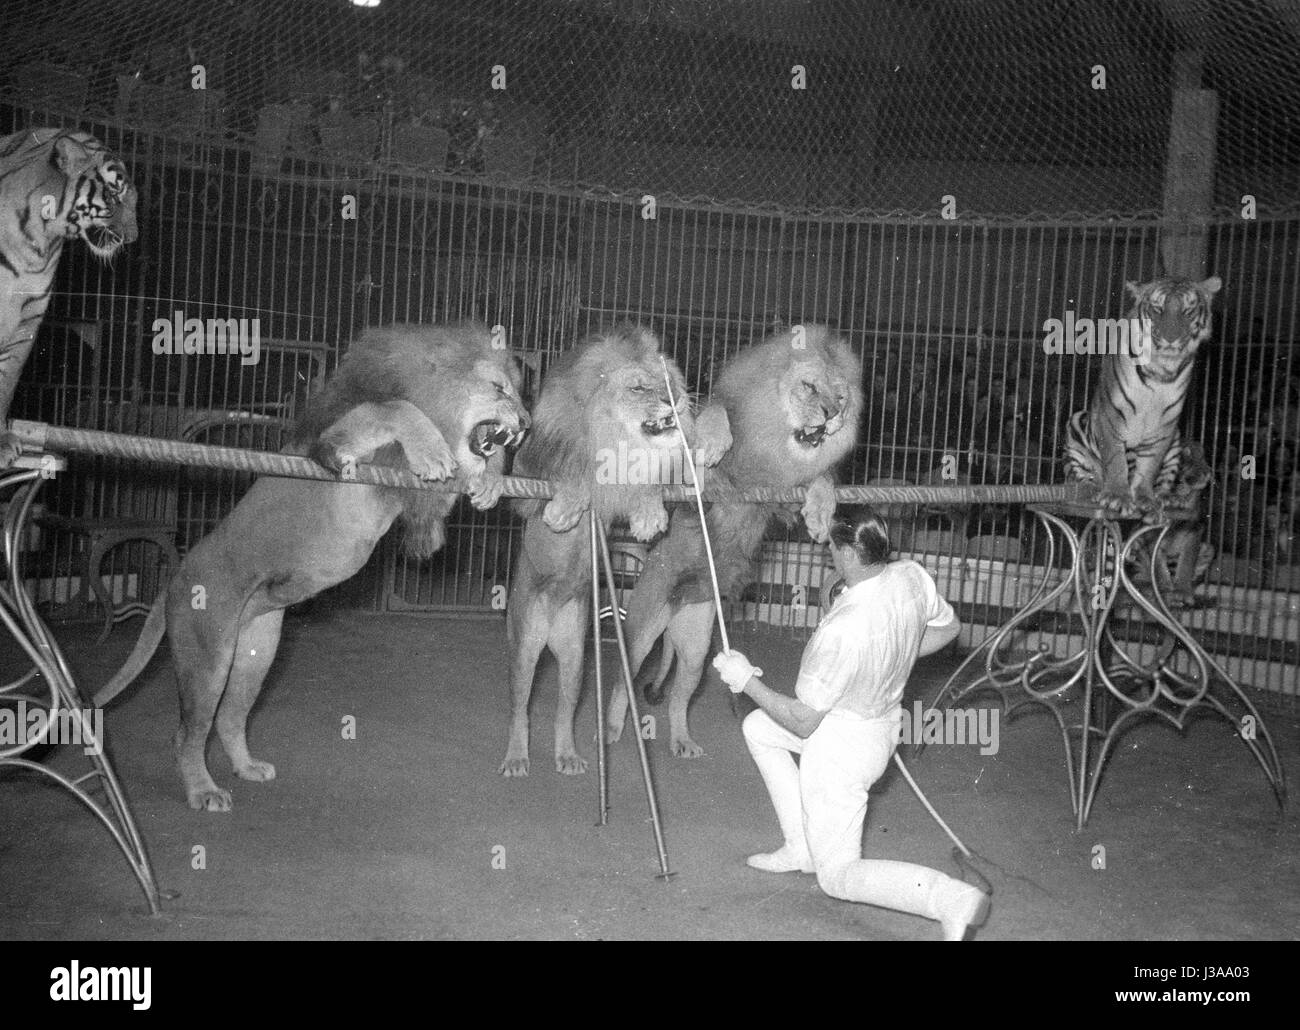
(788, 712)
(936, 638)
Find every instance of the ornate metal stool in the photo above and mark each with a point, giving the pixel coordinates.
(104, 536)
(64, 706)
(1106, 676)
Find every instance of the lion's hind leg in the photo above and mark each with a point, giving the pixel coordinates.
(647, 617)
(203, 649)
(258, 641)
(527, 620)
(690, 634)
(568, 642)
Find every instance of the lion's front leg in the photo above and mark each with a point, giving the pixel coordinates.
(712, 435)
(368, 427)
(486, 487)
(570, 503)
(648, 517)
(819, 508)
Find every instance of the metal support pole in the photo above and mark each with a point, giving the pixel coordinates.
(664, 872)
(602, 775)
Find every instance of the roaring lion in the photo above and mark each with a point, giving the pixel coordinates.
(603, 413)
(790, 408)
(435, 400)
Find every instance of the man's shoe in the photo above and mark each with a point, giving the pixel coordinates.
(957, 906)
(784, 860)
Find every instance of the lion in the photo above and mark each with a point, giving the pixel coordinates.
(605, 401)
(437, 400)
(790, 408)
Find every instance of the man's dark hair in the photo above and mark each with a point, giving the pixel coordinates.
(863, 530)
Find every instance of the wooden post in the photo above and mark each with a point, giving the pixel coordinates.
(1189, 172)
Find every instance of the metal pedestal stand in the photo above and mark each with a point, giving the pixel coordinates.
(63, 707)
(1114, 686)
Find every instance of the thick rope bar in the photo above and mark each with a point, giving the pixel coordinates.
(38, 436)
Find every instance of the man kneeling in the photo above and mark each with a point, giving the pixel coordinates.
(844, 723)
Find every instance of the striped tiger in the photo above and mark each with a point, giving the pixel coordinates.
(55, 185)
(1127, 440)
(1184, 557)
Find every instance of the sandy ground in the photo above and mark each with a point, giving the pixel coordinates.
(394, 834)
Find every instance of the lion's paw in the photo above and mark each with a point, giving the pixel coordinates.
(647, 523)
(819, 508)
(210, 800)
(256, 770)
(712, 436)
(684, 747)
(485, 490)
(514, 766)
(327, 456)
(613, 733)
(430, 459)
(564, 510)
(570, 763)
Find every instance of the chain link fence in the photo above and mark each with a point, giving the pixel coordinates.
(1010, 106)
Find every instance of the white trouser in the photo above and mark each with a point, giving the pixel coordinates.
(821, 804)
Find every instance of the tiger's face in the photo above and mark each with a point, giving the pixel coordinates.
(98, 199)
(1174, 320)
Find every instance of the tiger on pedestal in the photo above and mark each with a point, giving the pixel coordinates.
(1127, 441)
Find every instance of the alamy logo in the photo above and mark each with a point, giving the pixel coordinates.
(643, 466)
(181, 335)
(23, 724)
(96, 983)
(951, 726)
(1098, 336)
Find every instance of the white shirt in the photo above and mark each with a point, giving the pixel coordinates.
(863, 650)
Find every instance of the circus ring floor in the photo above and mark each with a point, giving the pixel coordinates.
(394, 834)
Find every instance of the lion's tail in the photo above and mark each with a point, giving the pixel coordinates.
(654, 685)
(150, 637)
(648, 612)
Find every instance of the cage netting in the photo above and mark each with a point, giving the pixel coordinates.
(801, 104)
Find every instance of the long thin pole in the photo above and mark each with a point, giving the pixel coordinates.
(601, 774)
(929, 807)
(631, 699)
(699, 505)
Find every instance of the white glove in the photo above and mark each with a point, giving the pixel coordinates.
(735, 670)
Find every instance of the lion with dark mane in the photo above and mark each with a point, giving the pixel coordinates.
(435, 400)
(790, 408)
(604, 402)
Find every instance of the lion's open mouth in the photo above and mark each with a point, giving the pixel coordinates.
(487, 436)
(810, 436)
(658, 426)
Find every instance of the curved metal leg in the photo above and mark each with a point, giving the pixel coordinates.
(1116, 687)
(64, 707)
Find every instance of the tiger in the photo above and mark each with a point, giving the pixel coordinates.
(1184, 556)
(1127, 440)
(55, 185)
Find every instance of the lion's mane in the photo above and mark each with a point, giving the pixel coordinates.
(576, 417)
(432, 367)
(754, 387)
